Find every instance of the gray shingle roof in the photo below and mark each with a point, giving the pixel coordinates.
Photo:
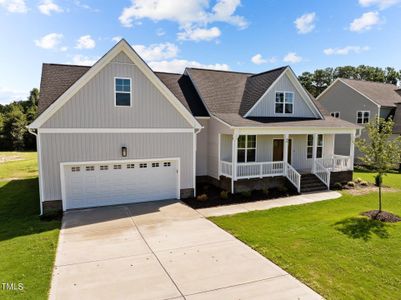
(181, 86)
(56, 79)
(382, 93)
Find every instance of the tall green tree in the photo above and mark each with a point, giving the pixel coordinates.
(14, 128)
(380, 152)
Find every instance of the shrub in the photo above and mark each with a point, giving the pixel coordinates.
(351, 184)
(358, 180)
(224, 195)
(265, 192)
(246, 194)
(202, 197)
(364, 183)
(337, 186)
(283, 190)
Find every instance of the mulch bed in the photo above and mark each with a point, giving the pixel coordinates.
(214, 199)
(383, 216)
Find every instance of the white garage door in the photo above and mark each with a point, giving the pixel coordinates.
(99, 184)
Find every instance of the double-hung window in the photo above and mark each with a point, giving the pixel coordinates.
(284, 103)
(319, 148)
(122, 89)
(335, 114)
(246, 148)
(362, 117)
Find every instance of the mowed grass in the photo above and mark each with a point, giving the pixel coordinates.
(18, 165)
(27, 243)
(328, 245)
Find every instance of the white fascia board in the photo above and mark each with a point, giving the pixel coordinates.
(295, 130)
(116, 130)
(97, 67)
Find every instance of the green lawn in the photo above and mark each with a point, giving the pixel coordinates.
(27, 244)
(328, 246)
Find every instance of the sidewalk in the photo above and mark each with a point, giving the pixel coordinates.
(267, 204)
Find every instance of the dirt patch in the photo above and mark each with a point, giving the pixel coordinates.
(383, 216)
(211, 196)
(357, 191)
(4, 159)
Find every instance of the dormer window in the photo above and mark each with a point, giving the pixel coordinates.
(284, 103)
(122, 90)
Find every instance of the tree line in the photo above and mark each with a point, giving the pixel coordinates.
(14, 118)
(316, 82)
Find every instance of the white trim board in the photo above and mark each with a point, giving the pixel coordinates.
(121, 46)
(116, 130)
(64, 164)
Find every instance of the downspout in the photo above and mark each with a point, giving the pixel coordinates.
(32, 131)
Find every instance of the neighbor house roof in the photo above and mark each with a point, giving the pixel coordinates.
(383, 94)
(56, 79)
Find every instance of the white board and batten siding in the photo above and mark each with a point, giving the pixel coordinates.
(266, 105)
(202, 148)
(93, 109)
(93, 106)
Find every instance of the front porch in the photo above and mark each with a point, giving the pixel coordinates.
(287, 155)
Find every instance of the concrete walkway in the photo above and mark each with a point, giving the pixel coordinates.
(161, 250)
(267, 204)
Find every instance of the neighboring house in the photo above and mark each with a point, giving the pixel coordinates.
(117, 132)
(358, 101)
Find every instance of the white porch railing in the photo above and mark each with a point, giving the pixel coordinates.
(337, 163)
(262, 169)
(322, 173)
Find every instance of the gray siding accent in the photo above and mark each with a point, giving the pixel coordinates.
(81, 147)
(121, 58)
(215, 128)
(266, 105)
(201, 148)
(340, 97)
(93, 106)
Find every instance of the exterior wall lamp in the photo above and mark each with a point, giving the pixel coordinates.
(124, 151)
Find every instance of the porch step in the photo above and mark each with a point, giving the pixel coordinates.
(310, 183)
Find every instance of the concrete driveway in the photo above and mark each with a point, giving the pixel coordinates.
(161, 250)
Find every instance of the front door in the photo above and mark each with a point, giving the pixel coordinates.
(278, 150)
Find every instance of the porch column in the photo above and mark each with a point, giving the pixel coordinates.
(234, 159)
(314, 151)
(285, 153)
(352, 150)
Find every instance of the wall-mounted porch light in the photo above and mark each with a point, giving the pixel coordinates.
(124, 151)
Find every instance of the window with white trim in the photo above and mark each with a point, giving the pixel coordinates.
(122, 89)
(167, 164)
(155, 165)
(90, 168)
(309, 146)
(284, 103)
(75, 169)
(335, 114)
(117, 167)
(143, 165)
(130, 166)
(362, 117)
(246, 148)
(104, 168)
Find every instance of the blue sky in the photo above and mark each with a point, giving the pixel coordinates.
(244, 35)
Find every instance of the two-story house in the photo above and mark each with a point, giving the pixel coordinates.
(358, 101)
(117, 132)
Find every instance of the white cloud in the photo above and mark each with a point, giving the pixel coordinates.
(157, 51)
(179, 65)
(84, 60)
(258, 59)
(305, 23)
(8, 95)
(365, 22)
(382, 4)
(346, 50)
(85, 42)
(48, 6)
(292, 58)
(116, 39)
(49, 41)
(79, 4)
(14, 6)
(199, 34)
(185, 13)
